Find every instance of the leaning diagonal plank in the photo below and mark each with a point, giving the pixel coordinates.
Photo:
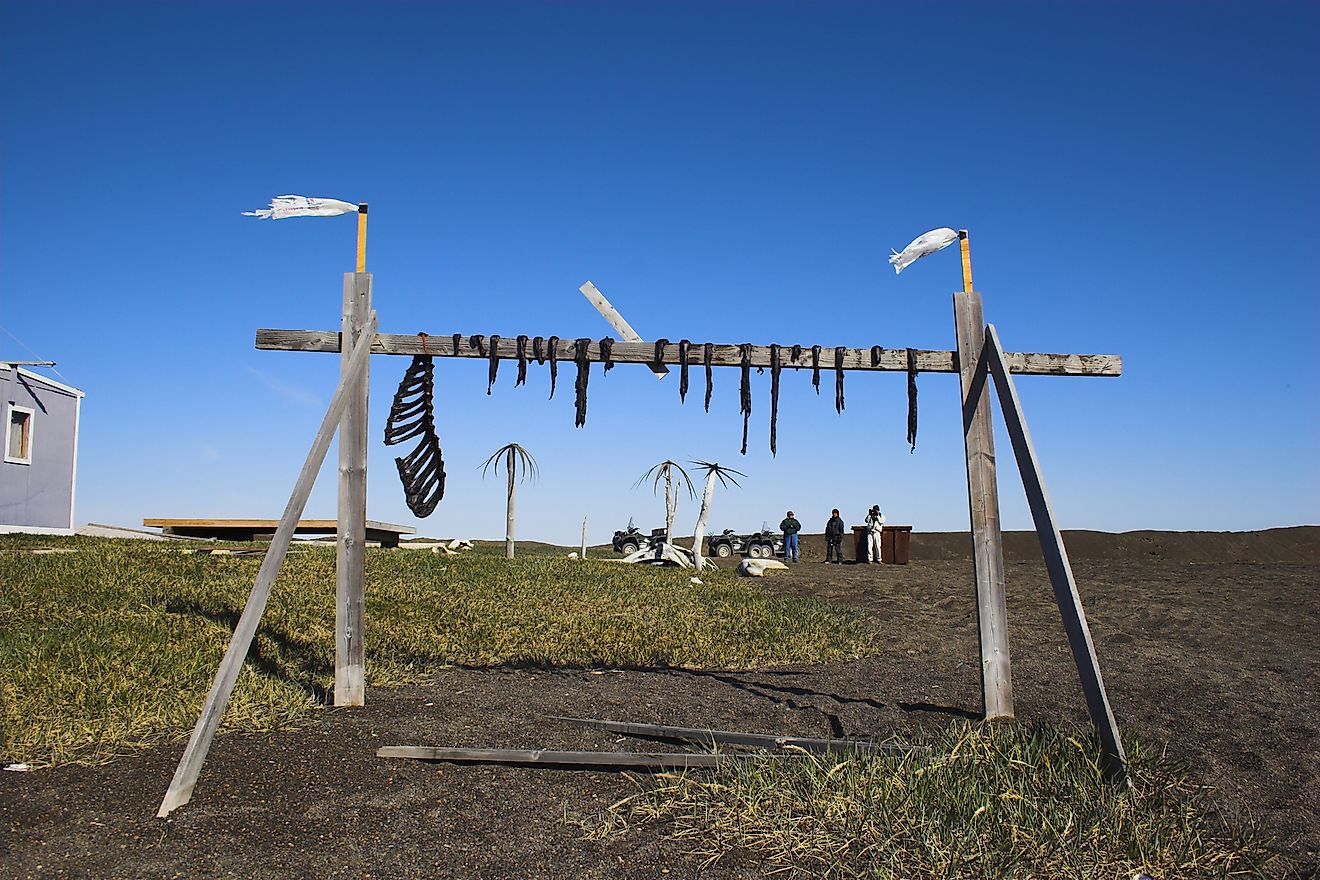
(707, 736)
(1056, 562)
(551, 758)
(185, 775)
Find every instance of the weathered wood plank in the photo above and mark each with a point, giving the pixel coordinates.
(711, 737)
(615, 320)
(310, 526)
(1056, 562)
(194, 755)
(584, 760)
(983, 500)
(725, 355)
(350, 548)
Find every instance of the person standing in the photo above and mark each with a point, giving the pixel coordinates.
(875, 524)
(834, 538)
(790, 527)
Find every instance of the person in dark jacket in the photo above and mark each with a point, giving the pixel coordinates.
(834, 538)
(790, 527)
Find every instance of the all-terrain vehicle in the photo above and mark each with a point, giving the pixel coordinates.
(630, 540)
(759, 545)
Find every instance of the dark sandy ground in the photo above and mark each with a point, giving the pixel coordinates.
(1209, 644)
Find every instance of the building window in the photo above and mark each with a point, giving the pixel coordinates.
(18, 435)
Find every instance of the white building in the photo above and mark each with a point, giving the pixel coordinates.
(40, 467)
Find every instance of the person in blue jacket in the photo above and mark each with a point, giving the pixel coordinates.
(790, 527)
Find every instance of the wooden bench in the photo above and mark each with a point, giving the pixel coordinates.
(262, 529)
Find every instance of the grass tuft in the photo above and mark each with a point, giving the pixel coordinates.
(997, 800)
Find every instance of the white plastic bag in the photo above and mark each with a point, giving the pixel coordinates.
(923, 246)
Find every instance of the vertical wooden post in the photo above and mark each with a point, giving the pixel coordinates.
(1056, 562)
(190, 765)
(350, 556)
(983, 499)
(508, 525)
(584, 537)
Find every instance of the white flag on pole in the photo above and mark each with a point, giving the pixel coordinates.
(302, 206)
(922, 246)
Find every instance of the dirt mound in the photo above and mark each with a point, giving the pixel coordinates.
(1297, 544)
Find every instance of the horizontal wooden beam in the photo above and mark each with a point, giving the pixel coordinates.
(723, 355)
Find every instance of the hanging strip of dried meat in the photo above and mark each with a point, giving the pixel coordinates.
(745, 390)
(553, 345)
(797, 354)
(538, 349)
(838, 378)
(708, 352)
(815, 367)
(775, 366)
(458, 339)
(478, 343)
(660, 346)
(580, 387)
(876, 351)
(522, 361)
(607, 353)
(494, 362)
(912, 399)
(683, 347)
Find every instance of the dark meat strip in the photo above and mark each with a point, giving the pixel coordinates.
(458, 339)
(580, 387)
(912, 399)
(745, 391)
(708, 352)
(876, 351)
(797, 354)
(838, 378)
(494, 362)
(554, 363)
(538, 349)
(607, 353)
(775, 366)
(683, 347)
(478, 343)
(815, 367)
(522, 361)
(660, 346)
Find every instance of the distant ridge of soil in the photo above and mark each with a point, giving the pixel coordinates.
(1296, 544)
(1293, 544)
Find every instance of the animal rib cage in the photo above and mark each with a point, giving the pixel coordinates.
(412, 414)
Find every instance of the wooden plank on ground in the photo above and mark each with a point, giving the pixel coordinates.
(194, 755)
(578, 760)
(983, 500)
(710, 737)
(1056, 562)
(724, 355)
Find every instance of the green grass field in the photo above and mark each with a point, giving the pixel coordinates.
(113, 647)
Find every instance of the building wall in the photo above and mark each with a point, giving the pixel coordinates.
(39, 495)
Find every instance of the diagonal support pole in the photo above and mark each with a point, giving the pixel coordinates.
(1056, 560)
(190, 765)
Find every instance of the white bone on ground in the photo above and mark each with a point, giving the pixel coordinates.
(758, 567)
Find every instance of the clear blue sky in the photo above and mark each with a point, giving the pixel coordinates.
(1138, 179)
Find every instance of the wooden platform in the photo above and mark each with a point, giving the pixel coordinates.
(262, 529)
